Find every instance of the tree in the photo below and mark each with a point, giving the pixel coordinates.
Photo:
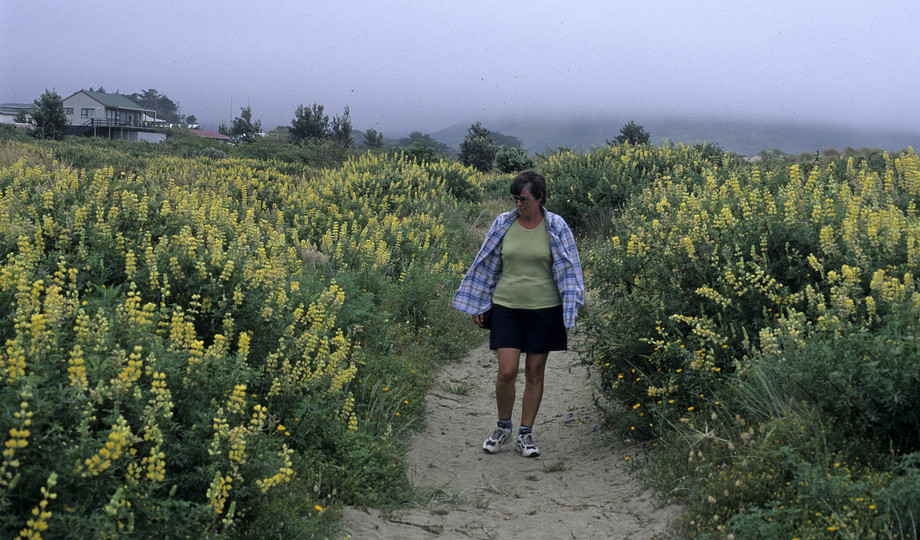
(243, 127)
(418, 140)
(313, 123)
(373, 139)
(422, 153)
(340, 130)
(478, 149)
(633, 134)
(167, 110)
(512, 159)
(500, 139)
(48, 115)
(280, 133)
(309, 123)
(191, 119)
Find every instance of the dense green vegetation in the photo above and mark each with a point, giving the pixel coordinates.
(755, 327)
(242, 335)
(223, 347)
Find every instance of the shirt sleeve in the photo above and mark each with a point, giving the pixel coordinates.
(566, 269)
(474, 295)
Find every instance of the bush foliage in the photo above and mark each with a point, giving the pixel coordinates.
(762, 319)
(216, 347)
(242, 337)
(587, 188)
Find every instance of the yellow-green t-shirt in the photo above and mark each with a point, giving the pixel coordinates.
(527, 270)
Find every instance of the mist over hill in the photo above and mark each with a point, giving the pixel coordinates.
(742, 137)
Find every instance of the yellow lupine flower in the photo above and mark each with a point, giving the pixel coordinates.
(219, 491)
(118, 440)
(38, 523)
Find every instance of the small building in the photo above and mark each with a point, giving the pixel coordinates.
(9, 111)
(114, 116)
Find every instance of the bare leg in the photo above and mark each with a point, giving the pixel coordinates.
(508, 361)
(535, 366)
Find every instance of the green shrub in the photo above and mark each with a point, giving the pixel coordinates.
(211, 153)
(216, 340)
(587, 188)
(9, 132)
(793, 476)
(863, 375)
(700, 269)
(512, 160)
(755, 325)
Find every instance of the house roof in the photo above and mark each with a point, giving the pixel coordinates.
(117, 101)
(13, 108)
(210, 134)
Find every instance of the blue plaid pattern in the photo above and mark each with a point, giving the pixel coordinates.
(475, 293)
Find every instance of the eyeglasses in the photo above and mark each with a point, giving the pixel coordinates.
(522, 200)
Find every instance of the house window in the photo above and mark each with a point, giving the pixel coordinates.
(87, 113)
(68, 111)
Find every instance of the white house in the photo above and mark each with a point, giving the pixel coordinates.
(114, 116)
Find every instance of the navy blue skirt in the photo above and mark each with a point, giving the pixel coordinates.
(530, 330)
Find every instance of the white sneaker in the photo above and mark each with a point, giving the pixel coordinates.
(496, 439)
(526, 446)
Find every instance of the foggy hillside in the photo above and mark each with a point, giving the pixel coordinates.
(747, 138)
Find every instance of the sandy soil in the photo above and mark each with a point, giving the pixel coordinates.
(581, 486)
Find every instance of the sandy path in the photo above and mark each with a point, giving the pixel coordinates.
(580, 486)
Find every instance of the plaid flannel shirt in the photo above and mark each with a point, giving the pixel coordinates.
(475, 293)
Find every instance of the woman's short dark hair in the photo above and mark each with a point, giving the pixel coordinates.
(530, 179)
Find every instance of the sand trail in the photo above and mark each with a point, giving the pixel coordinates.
(580, 487)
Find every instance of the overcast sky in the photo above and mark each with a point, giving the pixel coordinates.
(422, 65)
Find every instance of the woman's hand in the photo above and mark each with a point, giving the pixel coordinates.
(477, 320)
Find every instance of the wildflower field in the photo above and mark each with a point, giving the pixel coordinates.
(757, 326)
(217, 348)
(198, 345)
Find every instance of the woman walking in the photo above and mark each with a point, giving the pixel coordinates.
(527, 278)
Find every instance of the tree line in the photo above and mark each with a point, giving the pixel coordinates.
(482, 149)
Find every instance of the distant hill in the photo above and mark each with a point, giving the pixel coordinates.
(746, 138)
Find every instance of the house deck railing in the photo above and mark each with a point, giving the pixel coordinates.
(111, 122)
